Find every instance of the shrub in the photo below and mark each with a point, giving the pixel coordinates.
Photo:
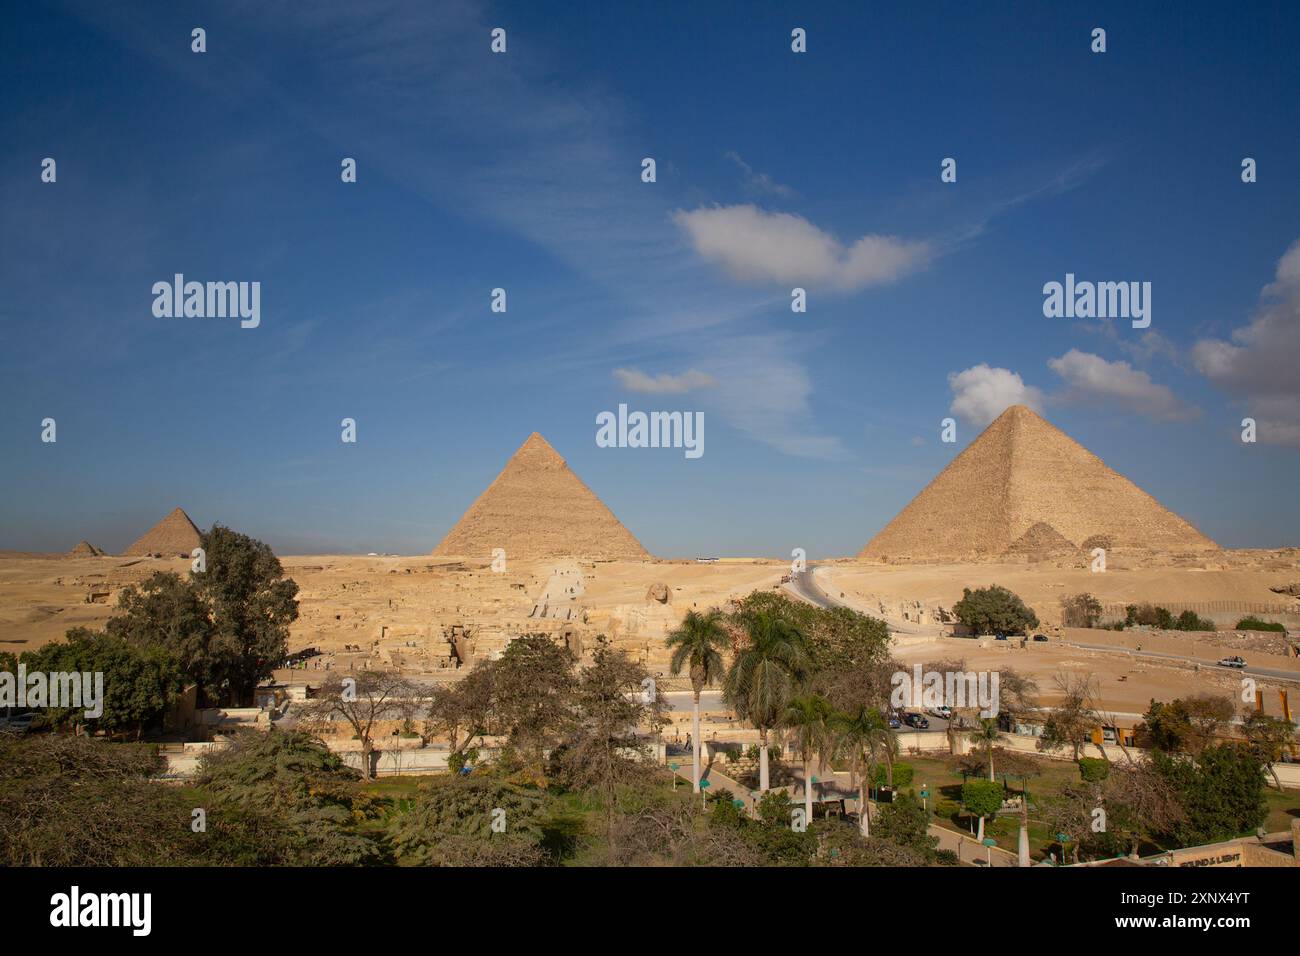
(1082, 610)
(1188, 621)
(1093, 769)
(1255, 624)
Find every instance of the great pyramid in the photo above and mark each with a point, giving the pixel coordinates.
(174, 535)
(538, 508)
(84, 549)
(1025, 488)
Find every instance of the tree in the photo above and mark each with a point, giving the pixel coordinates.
(252, 605)
(462, 711)
(987, 735)
(1221, 792)
(906, 822)
(849, 652)
(982, 798)
(139, 683)
(532, 689)
(860, 737)
(766, 673)
(994, 610)
(1081, 610)
(361, 701)
(605, 753)
(698, 644)
(452, 824)
(1072, 721)
(291, 782)
(1268, 738)
(1185, 725)
(808, 717)
(167, 611)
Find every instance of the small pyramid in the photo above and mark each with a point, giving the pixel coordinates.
(84, 549)
(1022, 471)
(538, 508)
(174, 535)
(1041, 542)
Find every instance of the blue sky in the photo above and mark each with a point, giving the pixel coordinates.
(522, 171)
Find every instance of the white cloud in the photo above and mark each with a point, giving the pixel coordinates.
(753, 245)
(1260, 362)
(1091, 379)
(635, 380)
(981, 394)
(760, 182)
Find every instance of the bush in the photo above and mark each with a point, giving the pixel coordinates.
(994, 610)
(1093, 769)
(1082, 610)
(1255, 624)
(1188, 621)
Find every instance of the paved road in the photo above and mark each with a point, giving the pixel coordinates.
(1271, 672)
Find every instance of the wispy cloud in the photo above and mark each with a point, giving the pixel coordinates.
(757, 182)
(665, 383)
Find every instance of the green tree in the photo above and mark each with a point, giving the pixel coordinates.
(808, 718)
(765, 674)
(166, 611)
(982, 798)
(906, 822)
(988, 736)
(860, 738)
(605, 755)
(1268, 738)
(139, 683)
(1221, 792)
(697, 644)
(479, 820)
(252, 605)
(1185, 725)
(994, 610)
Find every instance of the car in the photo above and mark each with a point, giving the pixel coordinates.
(894, 722)
(1232, 662)
(1000, 637)
(1040, 637)
(943, 710)
(916, 721)
(17, 724)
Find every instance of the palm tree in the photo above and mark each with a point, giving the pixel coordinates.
(698, 644)
(809, 718)
(859, 737)
(765, 674)
(987, 735)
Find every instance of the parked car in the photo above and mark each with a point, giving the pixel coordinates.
(1232, 662)
(943, 710)
(17, 724)
(1000, 637)
(894, 722)
(1040, 637)
(916, 722)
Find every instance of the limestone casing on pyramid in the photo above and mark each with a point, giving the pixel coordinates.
(174, 535)
(538, 508)
(1019, 472)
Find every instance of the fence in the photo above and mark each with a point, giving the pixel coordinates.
(1205, 607)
